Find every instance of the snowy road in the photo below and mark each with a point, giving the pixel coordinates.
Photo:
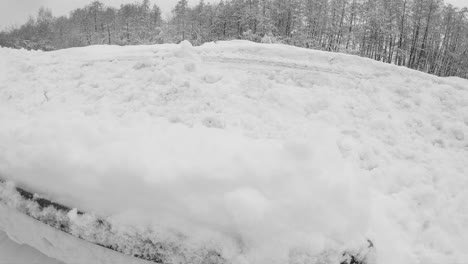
(227, 145)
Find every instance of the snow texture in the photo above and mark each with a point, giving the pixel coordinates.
(144, 244)
(11, 252)
(268, 153)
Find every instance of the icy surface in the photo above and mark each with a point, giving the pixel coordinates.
(276, 153)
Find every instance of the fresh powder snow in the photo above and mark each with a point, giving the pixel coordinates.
(266, 152)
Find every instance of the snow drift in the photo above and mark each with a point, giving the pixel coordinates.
(270, 153)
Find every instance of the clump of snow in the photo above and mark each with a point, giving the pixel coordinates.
(162, 77)
(269, 153)
(212, 77)
(458, 134)
(190, 67)
(141, 65)
(213, 122)
(185, 50)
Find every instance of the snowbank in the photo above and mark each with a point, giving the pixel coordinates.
(274, 153)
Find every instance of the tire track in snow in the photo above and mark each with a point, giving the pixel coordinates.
(278, 64)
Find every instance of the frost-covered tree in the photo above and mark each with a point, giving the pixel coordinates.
(180, 19)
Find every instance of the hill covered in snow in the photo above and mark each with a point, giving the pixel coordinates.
(268, 153)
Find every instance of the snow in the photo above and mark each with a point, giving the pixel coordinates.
(25, 230)
(11, 252)
(274, 154)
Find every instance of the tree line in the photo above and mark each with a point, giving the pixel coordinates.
(426, 35)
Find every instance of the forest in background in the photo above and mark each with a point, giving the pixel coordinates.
(426, 35)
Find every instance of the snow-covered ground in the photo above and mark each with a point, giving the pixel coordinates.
(270, 153)
(13, 253)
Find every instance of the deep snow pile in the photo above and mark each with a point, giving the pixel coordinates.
(273, 154)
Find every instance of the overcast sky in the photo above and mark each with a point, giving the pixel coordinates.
(16, 12)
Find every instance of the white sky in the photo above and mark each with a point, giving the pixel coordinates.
(16, 12)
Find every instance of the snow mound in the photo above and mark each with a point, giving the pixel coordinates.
(274, 154)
